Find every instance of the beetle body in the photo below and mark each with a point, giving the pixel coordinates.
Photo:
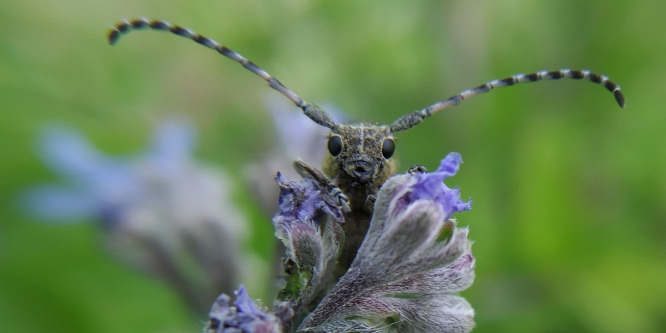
(360, 155)
(359, 162)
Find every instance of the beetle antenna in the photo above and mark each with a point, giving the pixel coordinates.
(314, 112)
(414, 118)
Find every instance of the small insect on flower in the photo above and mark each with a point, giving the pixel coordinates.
(360, 154)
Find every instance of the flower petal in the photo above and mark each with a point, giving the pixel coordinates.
(406, 236)
(430, 186)
(440, 313)
(58, 204)
(451, 278)
(172, 144)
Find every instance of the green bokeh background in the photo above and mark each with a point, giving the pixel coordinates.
(569, 190)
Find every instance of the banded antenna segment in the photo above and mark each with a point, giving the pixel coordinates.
(414, 118)
(314, 112)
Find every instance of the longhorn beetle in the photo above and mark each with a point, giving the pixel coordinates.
(360, 154)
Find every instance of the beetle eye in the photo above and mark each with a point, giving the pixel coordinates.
(388, 147)
(335, 145)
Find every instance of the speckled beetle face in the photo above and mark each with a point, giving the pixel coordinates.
(361, 152)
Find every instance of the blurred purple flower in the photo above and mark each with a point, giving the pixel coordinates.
(161, 211)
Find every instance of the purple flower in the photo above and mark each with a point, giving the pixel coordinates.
(308, 224)
(161, 211)
(429, 186)
(412, 262)
(244, 316)
(302, 203)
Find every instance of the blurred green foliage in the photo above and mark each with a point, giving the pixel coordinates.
(569, 190)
